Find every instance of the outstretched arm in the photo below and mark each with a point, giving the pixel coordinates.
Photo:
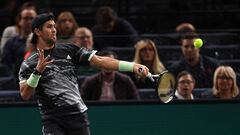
(117, 65)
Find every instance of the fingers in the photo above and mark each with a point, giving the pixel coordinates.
(142, 70)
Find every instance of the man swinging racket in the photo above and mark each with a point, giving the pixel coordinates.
(51, 74)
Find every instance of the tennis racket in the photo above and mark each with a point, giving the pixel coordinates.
(165, 85)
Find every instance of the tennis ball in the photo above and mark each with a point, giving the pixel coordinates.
(198, 43)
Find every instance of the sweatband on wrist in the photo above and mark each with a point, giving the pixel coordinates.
(33, 80)
(125, 66)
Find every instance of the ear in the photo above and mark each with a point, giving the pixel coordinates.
(37, 31)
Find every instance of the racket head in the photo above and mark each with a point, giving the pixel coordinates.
(165, 86)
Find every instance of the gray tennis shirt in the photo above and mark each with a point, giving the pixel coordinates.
(57, 91)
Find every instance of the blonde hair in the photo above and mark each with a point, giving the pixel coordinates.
(229, 72)
(60, 17)
(157, 66)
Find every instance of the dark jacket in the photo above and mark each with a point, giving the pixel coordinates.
(124, 88)
(122, 35)
(202, 72)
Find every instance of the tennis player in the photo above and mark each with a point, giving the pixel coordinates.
(50, 74)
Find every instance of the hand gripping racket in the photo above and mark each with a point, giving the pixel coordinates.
(165, 85)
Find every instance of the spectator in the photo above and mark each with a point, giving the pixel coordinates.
(66, 25)
(12, 31)
(83, 38)
(112, 30)
(201, 67)
(224, 83)
(13, 53)
(185, 27)
(146, 53)
(109, 85)
(185, 86)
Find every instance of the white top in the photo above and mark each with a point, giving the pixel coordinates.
(180, 96)
(8, 33)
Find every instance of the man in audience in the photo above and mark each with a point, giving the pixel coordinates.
(83, 38)
(185, 86)
(112, 30)
(14, 49)
(109, 85)
(201, 67)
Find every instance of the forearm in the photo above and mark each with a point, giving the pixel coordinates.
(26, 91)
(123, 66)
(104, 62)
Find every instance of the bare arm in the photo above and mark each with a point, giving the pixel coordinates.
(26, 90)
(113, 64)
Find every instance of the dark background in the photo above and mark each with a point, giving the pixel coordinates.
(147, 16)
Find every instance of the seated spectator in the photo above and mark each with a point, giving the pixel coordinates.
(12, 31)
(201, 67)
(183, 28)
(109, 85)
(13, 53)
(146, 54)
(83, 38)
(66, 25)
(185, 86)
(112, 30)
(225, 84)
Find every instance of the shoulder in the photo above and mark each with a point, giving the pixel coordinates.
(178, 64)
(210, 60)
(93, 78)
(67, 46)
(10, 29)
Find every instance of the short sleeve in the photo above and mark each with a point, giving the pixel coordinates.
(85, 55)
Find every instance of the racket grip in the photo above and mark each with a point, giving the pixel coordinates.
(149, 75)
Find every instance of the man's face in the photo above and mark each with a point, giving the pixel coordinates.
(48, 32)
(27, 15)
(185, 85)
(83, 38)
(190, 53)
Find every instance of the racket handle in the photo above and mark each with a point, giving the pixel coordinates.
(149, 75)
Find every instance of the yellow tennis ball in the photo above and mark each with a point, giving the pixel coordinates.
(198, 43)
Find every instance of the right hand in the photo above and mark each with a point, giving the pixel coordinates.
(140, 70)
(42, 62)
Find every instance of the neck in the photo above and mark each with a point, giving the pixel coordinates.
(225, 95)
(193, 62)
(43, 45)
(108, 77)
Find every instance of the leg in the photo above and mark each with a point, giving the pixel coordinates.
(52, 128)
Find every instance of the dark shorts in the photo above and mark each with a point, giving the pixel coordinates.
(74, 124)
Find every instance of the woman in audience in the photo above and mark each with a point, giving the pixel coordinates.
(66, 25)
(12, 31)
(146, 54)
(224, 83)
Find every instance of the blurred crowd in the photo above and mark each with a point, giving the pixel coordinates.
(198, 76)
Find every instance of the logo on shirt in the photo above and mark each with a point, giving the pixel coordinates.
(68, 57)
